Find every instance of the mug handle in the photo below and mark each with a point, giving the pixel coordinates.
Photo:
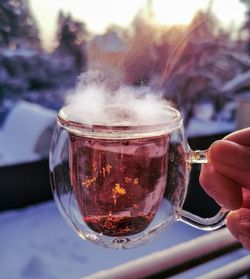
(207, 224)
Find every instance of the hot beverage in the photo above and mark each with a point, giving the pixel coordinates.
(118, 184)
(120, 168)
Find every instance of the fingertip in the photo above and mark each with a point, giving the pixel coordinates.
(232, 223)
(205, 174)
(218, 149)
(245, 241)
(223, 190)
(238, 223)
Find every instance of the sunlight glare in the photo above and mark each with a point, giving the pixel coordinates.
(225, 15)
(175, 12)
(99, 14)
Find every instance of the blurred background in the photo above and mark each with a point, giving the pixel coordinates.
(195, 52)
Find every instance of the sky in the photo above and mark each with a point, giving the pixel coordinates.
(99, 14)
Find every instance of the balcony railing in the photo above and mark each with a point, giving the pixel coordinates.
(183, 257)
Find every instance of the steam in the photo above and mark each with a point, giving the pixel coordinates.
(95, 102)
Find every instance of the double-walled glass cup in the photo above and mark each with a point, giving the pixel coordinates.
(119, 185)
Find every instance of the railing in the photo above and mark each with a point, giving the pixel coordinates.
(181, 258)
(233, 270)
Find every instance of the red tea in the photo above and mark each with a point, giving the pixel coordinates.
(118, 184)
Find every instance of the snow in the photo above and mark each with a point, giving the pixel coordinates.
(21, 132)
(199, 127)
(36, 243)
(203, 124)
(237, 82)
(27, 53)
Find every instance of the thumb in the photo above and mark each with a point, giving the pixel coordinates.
(231, 160)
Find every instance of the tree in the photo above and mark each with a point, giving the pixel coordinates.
(72, 37)
(17, 25)
(246, 25)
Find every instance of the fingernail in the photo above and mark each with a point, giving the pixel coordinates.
(245, 241)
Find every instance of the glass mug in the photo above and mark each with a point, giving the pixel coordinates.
(119, 185)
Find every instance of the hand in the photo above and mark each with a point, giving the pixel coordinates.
(226, 178)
